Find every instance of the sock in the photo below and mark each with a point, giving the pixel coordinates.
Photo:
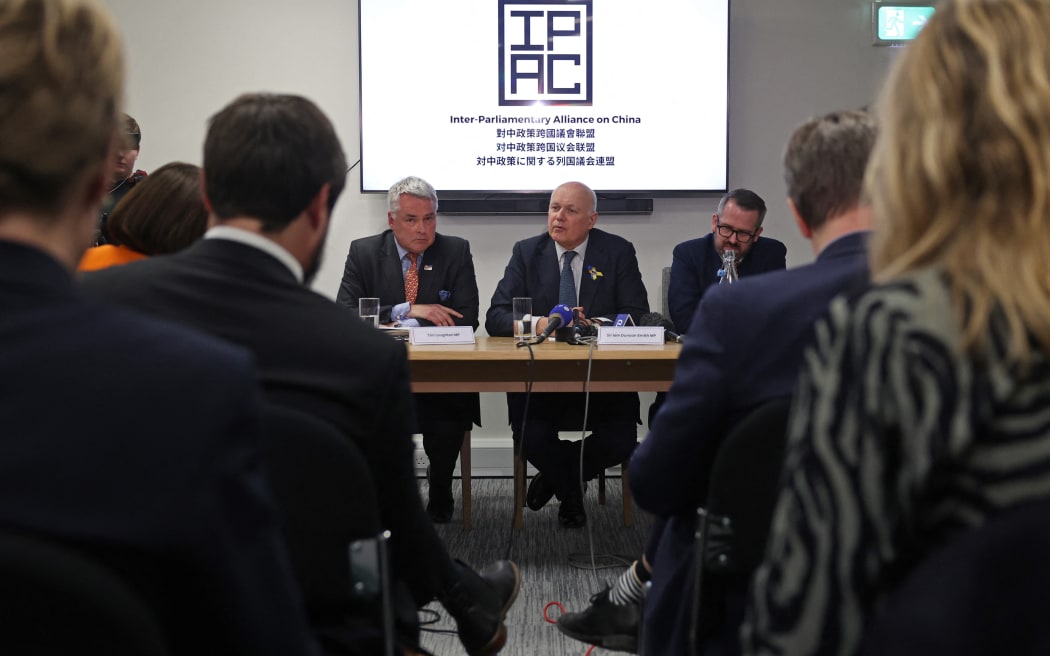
(630, 587)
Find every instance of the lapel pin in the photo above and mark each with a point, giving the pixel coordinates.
(427, 267)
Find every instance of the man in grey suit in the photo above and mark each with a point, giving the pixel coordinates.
(421, 278)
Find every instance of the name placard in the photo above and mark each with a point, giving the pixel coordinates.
(630, 334)
(441, 335)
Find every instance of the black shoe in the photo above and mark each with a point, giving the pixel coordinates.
(604, 624)
(479, 602)
(439, 503)
(571, 514)
(540, 492)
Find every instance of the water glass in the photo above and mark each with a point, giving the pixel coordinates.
(368, 308)
(521, 310)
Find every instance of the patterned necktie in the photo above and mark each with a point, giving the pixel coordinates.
(412, 279)
(567, 286)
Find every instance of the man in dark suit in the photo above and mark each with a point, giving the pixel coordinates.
(245, 282)
(736, 226)
(578, 265)
(745, 348)
(133, 441)
(421, 278)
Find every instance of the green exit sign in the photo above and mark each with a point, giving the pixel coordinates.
(898, 22)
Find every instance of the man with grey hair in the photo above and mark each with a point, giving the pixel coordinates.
(721, 376)
(575, 264)
(736, 225)
(421, 278)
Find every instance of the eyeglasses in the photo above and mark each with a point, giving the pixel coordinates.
(742, 236)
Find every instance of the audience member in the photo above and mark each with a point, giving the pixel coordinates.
(171, 495)
(124, 177)
(922, 409)
(245, 282)
(163, 214)
(720, 376)
(421, 278)
(737, 226)
(578, 265)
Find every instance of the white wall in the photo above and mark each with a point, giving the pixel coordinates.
(788, 61)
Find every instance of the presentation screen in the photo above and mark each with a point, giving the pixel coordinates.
(518, 96)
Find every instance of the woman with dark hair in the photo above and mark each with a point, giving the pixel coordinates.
(163, 214)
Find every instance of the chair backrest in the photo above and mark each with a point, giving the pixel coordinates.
(326, 498)
(744, 484)
(732, 529)
(57, 600)
(665, 284)
(986, 592)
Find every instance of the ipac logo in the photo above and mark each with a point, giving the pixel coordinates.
(545, 52)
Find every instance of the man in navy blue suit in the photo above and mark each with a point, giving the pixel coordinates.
(745, 348)
(735, 226)
(581, 266)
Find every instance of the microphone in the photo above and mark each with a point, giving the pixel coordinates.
(657, 319)
(559, 316)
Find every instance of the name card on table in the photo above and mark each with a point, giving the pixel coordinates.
(441, 335)
(630, 334)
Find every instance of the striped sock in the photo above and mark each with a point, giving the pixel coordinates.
(629, 588)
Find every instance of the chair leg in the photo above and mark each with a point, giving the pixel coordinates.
(601, 488)
(628, 500)
(464, 477)
(519, 488)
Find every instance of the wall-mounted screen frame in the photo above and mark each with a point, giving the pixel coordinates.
(485, 97)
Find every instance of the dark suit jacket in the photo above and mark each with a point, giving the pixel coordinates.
(138, 441)
(446, 277)
(695, 266)
(533, 271)
(312, 354)
(745, 348)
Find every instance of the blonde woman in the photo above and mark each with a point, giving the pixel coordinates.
(924, 408)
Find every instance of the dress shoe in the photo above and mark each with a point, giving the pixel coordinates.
(604, 624)
(479, 602)
(571, 514)
(439, 502)
(540, 492)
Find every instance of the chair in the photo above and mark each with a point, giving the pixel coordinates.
(985, 592)
(731, 531)
(327, 502)
(58, 600)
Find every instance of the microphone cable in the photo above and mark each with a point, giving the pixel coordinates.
(519, 450)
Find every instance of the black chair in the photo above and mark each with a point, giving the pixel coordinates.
(732, 530)
(986, 592)
(58, 600)
(330, 519)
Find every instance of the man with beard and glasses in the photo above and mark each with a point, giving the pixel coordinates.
(273, 169)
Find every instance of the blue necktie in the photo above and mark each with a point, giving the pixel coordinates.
(567, 286)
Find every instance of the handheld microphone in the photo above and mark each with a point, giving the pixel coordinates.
(657, 319)
(559, 316)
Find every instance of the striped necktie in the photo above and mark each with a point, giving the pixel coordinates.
(412, 279)
(567, 286)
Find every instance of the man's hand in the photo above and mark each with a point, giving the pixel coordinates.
(439, 315)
